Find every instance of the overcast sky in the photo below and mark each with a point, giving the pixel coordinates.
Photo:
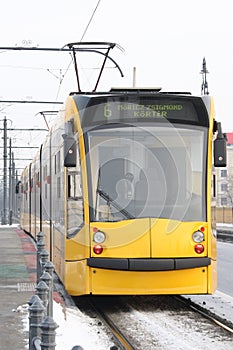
(165, 40)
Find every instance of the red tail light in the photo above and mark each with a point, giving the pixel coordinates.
(199, 248)
(97, 249)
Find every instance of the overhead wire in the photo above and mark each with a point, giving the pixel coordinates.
(88, 24)
(84, 33)
(82, 37)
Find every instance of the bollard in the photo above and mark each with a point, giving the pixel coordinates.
(48, 327)
(40, 236)
(36, 314)
(42, 290)
(44, 257)
(32, 299)
(47, 278)
(40, 248)
(49, 267)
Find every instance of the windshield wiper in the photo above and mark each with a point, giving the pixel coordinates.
(108, 199)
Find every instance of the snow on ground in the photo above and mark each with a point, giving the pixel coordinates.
(75, 328)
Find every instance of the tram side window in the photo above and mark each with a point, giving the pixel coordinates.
(75, 214)
(74, 186)
(58, 187)
(38, 179)
(45, 183)
(26, 191)
(57, 162)
(31, 184)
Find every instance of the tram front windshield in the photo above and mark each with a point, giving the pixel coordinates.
(155, 171)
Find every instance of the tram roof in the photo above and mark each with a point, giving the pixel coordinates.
(125, 90)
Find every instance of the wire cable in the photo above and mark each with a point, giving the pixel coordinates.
(90, 20)
(84, 33)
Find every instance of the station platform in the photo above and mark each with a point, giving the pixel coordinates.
(17, 285)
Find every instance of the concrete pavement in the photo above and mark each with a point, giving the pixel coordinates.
(17, 285)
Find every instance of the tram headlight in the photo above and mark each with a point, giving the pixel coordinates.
(99, 237)
(198, 236)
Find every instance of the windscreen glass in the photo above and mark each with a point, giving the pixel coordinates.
(153, 171)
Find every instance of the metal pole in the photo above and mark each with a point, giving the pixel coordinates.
(134, 77)
(40, 248)
(17, 194)
(10, 185)
(76, 69)
(13, 186)
(102, 68)
(4, 220)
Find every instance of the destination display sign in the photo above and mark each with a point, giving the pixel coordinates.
(134, 110)
(142, 109)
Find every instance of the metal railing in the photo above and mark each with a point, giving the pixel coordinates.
(42, 327)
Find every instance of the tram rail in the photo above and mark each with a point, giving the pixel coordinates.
(159, 322)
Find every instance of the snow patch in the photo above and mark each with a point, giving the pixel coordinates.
(75, 328)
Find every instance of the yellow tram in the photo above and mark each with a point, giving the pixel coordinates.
(121, 189)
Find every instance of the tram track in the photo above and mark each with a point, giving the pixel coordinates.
(206, 313)
(93, 306)
(121, 339)
(158, 322)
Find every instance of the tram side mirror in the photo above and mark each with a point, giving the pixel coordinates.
(69, 151)
(220, 154)
(17, 187)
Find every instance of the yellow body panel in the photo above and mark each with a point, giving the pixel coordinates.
(141, 238)
(129, 238)
(77, 278)
(170, 238)
(59, 253)
(212, 277)
(78, 247)
(187, 281)
(81, 280)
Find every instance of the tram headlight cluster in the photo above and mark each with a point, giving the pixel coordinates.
(198, 237)
(99, 237)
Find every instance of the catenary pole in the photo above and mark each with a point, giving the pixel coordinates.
(4, 214)
(10, 183)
